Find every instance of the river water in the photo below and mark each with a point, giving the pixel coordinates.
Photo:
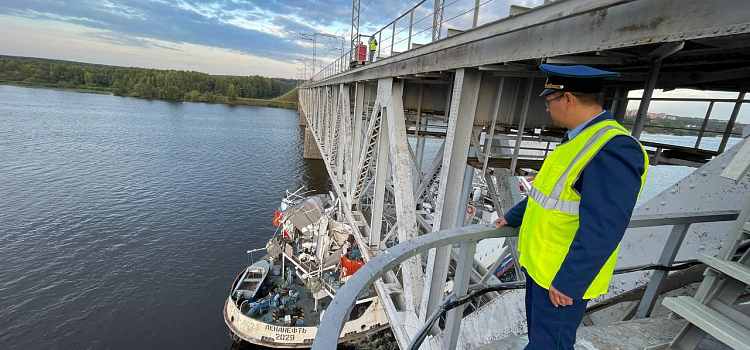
(123, 221)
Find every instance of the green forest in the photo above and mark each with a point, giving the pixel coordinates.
(170, 85)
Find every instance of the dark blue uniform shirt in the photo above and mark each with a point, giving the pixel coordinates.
(609, 187)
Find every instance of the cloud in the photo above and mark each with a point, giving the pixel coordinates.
(262, 28)
(237, 26)
(77, 43)
(127, 40)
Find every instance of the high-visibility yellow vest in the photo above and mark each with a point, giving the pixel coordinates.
(551, 218)
(373, 44)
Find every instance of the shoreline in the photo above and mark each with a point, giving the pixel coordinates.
(106, 91)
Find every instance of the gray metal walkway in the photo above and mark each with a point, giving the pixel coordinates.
(630, 335)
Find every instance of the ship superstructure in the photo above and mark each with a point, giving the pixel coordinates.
(278, 301)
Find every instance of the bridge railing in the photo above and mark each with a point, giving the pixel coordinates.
(726, 133)
(337, 312)
(400, 36)
(467, 237)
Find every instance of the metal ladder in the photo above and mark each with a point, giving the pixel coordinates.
(712, 310)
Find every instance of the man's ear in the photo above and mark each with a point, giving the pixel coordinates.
(568, 98)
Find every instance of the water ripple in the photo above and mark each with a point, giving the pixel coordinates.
(124, 221)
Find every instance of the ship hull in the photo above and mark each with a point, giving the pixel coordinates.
(257, 332)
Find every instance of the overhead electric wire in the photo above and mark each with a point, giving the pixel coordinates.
(392, 12)
(428, 28)
(470, 10)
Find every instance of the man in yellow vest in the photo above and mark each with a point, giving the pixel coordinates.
(373, 47)
(576, 213)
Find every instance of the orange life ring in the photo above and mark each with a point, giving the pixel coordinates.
(470, 210)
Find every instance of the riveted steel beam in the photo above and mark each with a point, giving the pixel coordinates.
(332, 141)
(463, 105)
(403, 191)
(381, 172)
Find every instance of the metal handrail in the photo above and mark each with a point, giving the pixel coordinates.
(336, 314)
(680, 225)
(686, 218)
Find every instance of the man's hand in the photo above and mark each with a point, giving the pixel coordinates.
(557, 298)
(500, 222)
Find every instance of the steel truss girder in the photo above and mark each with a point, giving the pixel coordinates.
(387, 135)
(323, 120)
(333, 127)
(380, 179)
(425, 189)
(368, 152)
(420, 178)
(319, 126)
(460, 123)
(359, 106)
(402, 320)
(312, 108)
(318, 110)
(328, 122)
(393, 145)
(403, 189)
(344, 154)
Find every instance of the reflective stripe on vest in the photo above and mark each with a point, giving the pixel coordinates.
(553, 201)
(570, 207)
(587, 147)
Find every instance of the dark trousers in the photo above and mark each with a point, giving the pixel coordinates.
(550, 327)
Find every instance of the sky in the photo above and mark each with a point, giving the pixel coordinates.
(245, 37)
(232, 37)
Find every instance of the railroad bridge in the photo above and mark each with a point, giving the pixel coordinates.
(474, 93)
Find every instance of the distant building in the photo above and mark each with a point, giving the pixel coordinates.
(634, 112)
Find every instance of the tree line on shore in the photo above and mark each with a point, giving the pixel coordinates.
(685, 126)
(141, 82)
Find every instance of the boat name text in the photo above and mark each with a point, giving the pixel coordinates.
(285, 329)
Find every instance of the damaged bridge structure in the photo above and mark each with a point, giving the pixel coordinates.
(420, 144)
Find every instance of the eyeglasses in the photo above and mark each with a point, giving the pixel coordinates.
(548, 102)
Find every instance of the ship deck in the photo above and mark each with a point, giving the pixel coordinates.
(309, 315)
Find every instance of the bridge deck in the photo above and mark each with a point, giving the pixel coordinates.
(630, 335)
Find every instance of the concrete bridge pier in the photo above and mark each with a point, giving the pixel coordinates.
(302, 118)
(309, 147)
